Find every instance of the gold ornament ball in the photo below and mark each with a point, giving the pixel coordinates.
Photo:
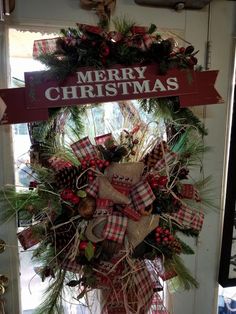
(87, 207)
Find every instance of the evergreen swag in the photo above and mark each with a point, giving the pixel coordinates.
(92, 229)
(128, 44)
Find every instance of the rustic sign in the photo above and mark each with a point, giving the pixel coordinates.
(90, 85)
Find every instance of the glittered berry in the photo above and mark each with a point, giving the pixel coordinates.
(162, 181)
(107, 163)
(66, 194)
(91, 178)
(92, 162)
(74, 199)
(83, 245)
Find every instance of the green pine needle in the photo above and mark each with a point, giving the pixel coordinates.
(184, 280)
(53, 296)
(123, 25)
(186, 249)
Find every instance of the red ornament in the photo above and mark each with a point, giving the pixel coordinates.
(104, 50)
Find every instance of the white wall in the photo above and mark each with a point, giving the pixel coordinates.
(193, 24)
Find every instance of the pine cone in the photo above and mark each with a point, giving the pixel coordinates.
(62, 237)
(67, 178)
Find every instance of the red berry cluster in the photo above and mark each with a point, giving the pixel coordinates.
(94, 163)
(157, 181)
(166, 239)
(70, 196)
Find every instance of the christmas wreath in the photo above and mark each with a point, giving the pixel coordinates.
(106, 213)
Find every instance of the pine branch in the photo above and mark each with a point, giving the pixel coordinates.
(186, 249)
(123, 25)
(190, 146)
(169, 109)
(183, 280)
(52, 303)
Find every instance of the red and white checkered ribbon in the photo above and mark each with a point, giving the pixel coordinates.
(84, 148)
(101, 139)
(190, 192)
(27, 238)
(168, 159)
(188, 218)
(93, 188)
(157, 306)
(142, 195)
(44, 46)
(115, 228)
(144, 284)
(58, 163)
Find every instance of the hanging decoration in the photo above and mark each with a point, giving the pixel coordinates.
(107, 213)
(103, 8)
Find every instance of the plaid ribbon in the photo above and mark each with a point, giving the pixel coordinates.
(142, 195)
(144, 284)
(58, 163)
(160, 270)
(189, 218)
(101, 139)
(104, 207)
(71, 266)
(84, 148)
(43, 46)
(169, 158)
(190, 192)
(138, 296)
(116, 227)
(92, 189)
(131, 213)
(27, 238)
(157, 306)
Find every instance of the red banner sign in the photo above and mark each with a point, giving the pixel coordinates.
(90, 85)
(16, 111)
